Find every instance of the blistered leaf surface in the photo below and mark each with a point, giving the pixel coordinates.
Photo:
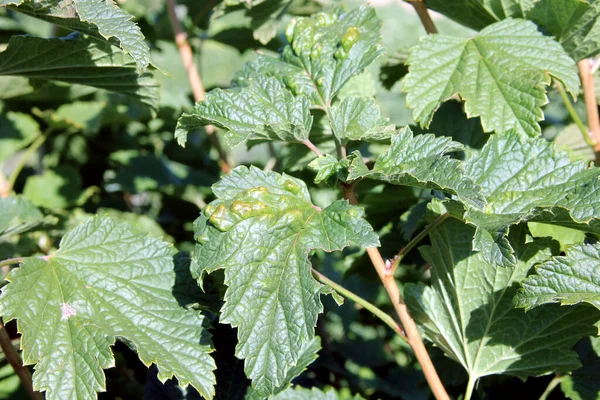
(105, 280)
(260, 230)
(501, 74)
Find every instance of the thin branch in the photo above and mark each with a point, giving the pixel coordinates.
(389, 321)
(11, 261)
(314, 148)
(15, 361)
(185, 51)
(553, 383)
(574, 115)
(591, 105)
(414, 241)
(410, 327)
(12, 180)
(423, 14)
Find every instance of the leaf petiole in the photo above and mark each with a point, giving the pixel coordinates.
(389, 321)
(28, 153)
(391, 268)
(574, 115)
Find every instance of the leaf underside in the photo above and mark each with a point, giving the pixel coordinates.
(102, 19)
(78, 60)
(468, 310)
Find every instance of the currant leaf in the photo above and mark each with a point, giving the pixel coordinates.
(101, 19)
(260, 230)
(468, 310)
(568, 280)
(106, 280)
(501, 74)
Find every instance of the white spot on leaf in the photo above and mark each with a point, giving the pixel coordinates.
(67, 311)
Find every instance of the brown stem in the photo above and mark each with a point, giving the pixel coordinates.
(587, 81)
(185, 51)
(15, 361)
(423, 14)
(409, 325)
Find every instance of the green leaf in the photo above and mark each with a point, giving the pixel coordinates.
(359, 118)
(265, 109)
(55, 189)
(326, 50)
(300, 393)
(501, 74)
(333, 47)
(468, 310)
(528, 180)
(260, 230)
(264, 15)
(326, 166)
(78, 60)
(106, 280)
(574, 23)
(571, 140)
(450, 120)
(308, 354)
(17, 130)
(83, 116)
(17, 215)
(102, 19)
(567, 280)
(584, 383)
(421, 161)
(478, 14)
(291, 75)
(565, 236)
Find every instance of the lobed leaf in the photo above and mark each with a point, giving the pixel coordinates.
(359, 118)
(500, 73)
(78, 60)
(528, 180)
(102, 19)
(260, 229)
(574, 23)
(567, 280)
(468, 310)
(333, 47)
(264, 109)
(327, 166)
(106, 280)
(421, 161)
(272, 96)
